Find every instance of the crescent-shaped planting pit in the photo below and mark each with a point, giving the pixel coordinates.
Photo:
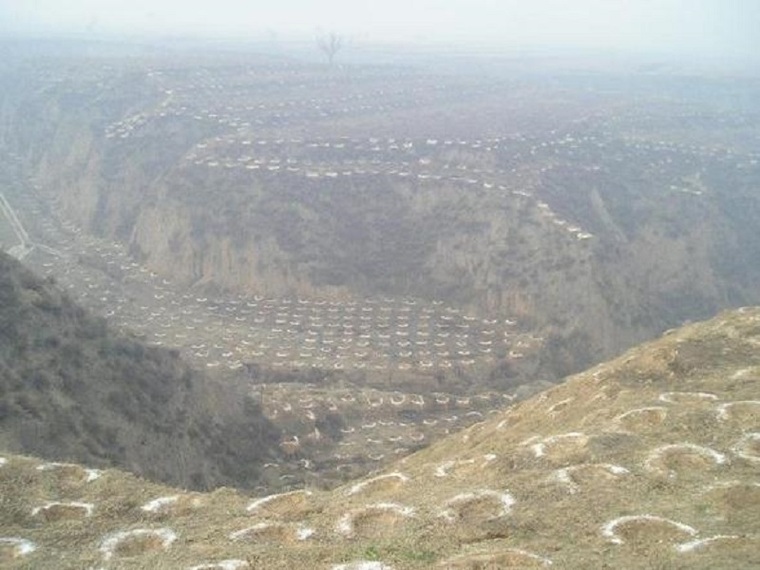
(478, 506)
(374, 521)
(687, 397)
(556, 408)
(174, 504)
(646, 529)
(268, 532)
(288, 506)
(70, 473)
(560, 447)
(129, 543)
(741, 411)
(641, 419)
(59, 511)
(591, 476)
(380, 484)
(452, 467)
(161, 504)
(397, 399)
(683, 459)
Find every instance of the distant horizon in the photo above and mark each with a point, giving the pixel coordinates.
(680, 29)
(304, 46)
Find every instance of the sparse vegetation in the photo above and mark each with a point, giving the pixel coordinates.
(369, 265)
(568, 477)
(75, 391)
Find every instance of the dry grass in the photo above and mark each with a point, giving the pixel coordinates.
(636, 440)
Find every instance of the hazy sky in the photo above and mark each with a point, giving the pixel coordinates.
(699, 27)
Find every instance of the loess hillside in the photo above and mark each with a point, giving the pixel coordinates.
(72, 389)
(648, 461)
(594, 209)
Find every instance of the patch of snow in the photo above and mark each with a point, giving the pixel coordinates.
(442, 470)
(629, 413)
(157, 504)
(702, 542)
(222, 565)
(22, 545)
(362, 565)
(345, 525)
(239, 534)
(92, 474)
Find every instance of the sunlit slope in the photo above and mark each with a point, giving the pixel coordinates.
(648, 461)
(72, 389)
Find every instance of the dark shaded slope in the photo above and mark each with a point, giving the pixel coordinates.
(70, 389)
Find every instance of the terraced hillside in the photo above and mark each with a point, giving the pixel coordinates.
(529, 197)
(380, 255)
(648, 461)
(336, 379)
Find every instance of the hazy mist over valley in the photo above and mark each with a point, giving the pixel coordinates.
(704, 30)
(364, 285)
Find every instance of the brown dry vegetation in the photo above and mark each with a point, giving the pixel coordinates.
(558, 478)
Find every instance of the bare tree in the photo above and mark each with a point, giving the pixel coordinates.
(330, 44)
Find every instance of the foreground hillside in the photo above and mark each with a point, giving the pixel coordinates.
(73, 390)
(648, 461)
